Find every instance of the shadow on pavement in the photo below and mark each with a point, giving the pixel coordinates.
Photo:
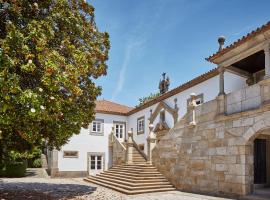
(42, 191)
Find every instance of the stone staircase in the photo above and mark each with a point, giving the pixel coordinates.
(135, 178)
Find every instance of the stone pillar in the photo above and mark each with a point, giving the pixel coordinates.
(54, 163)
(222, 105)
(267, 61)
(151, 143)
(129, 152)
(193, 105)
(221, 81)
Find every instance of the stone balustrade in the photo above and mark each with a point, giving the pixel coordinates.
(248, 98)
(216, 155)
(118, 150)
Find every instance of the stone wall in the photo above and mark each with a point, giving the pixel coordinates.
(246, 99)
(216, 155)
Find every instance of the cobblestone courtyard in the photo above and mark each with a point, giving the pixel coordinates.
(38, 186)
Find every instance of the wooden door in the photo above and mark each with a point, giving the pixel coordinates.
(260, 161)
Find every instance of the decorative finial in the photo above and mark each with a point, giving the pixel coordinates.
(163, 75)
(164, 84)
(151, 127)
(221, 41)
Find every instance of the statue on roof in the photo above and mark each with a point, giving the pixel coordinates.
(164, 84)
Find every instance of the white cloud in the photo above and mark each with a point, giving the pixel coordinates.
(134, 47)
(131, 49)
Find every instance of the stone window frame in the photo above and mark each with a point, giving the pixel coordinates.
(199, 96)
(101, 133)
(125, 127)
(70, 156)
(142, 118)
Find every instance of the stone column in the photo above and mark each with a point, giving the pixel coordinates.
(221, 81)
(267, 61)
(54, 163)
(193, 105)
(151, 143)
(129, 152)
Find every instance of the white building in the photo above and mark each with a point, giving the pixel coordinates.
(89, 152)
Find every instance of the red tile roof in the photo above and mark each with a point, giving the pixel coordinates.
(108, 107)
(240, 41)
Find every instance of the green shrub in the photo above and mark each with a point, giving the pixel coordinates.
(2, 170)
(37, 163)
(16, 169)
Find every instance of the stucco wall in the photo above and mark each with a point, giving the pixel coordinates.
(84, 142)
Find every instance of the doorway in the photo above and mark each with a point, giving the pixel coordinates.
(260, 170)
(95, 163)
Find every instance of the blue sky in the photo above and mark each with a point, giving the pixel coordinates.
(149, 37)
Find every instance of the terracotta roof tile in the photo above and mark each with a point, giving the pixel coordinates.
(108, 107)
(240, 41)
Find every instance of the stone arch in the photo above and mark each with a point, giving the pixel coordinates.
(163, 105)
(255, 130)
(258, 128)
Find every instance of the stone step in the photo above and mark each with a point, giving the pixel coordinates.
(137, 166)
(133, 180)
(127, 187)
(134, 177)
(131, 192)
(133, 170)
(144, 174)
(138, 160)
(132, 184)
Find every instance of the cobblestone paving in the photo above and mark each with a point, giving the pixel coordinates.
(54, 189)
(39, 187)
(175, 195)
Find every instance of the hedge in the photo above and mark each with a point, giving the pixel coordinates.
(15, 169)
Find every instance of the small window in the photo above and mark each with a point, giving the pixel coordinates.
(97, 127)
(71, 154)
(119, 130)
(199, 100)
(140, 125)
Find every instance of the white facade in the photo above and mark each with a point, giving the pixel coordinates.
(86, 143)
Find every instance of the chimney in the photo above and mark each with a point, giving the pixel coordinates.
(221, 40)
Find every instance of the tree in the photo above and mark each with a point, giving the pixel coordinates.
(150, 97)
(50, 53)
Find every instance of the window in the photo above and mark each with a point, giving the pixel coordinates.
(140, 125)
(99, 162)
(97, 127)
(96, 162)
(199, 100)
(119, 130)
(71, 154)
